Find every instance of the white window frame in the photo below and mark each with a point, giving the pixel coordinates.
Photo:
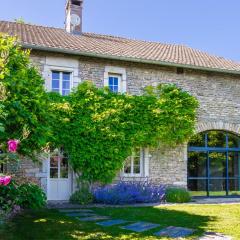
(119, 77)
(142, 166)
(61, 79)
(111, 71)
(61, 64)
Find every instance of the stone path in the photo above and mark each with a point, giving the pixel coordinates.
(93, 218)
(75, 210)
(214, 236)
(111, 223)
(87, 215)
(175, 232)
(140, 226)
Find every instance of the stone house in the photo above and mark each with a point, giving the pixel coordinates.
(66, 57)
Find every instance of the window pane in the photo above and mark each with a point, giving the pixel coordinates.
(64, 162)
(66, 76)
(234, 164)
(53, 173)
(116, 81)
(55, 84)
(115, 89)
(66, 85)
(198, 187)
(54, 161)
(127, 166)
(197, 164)
(197, 140)
(111, 88)
(64, 173)
(217, 164)
(65, 92)
(136, 169)
(234, 186)
(217, 187)
(233, 141)
(110, 83)
(216, 139)
(56, 75)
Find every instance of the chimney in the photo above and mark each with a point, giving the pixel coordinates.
(73, 23)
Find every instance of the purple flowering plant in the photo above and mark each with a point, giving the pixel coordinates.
(129, 193)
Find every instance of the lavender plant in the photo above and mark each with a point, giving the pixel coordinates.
(129, 193)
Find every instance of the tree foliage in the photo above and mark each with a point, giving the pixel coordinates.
(99, 129)
(25, 101)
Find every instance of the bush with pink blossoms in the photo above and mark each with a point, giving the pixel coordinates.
(5, 180)
(13, 145)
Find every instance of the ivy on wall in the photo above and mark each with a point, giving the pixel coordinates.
(99, 129)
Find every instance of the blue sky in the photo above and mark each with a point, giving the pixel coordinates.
(209, 25)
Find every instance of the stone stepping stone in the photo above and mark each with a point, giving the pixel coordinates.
(214, 236)
(140, 226)
(175, 232)
(92, 218)
(110, 223)
(75, 210)
(80, 214)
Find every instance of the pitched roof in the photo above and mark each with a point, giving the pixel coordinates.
(90, 44)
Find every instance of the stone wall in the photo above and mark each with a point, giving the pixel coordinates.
(218, 95)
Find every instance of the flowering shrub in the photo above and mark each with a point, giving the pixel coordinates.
(15, 196)
(129, 193)
(5, 180)
(13, 146)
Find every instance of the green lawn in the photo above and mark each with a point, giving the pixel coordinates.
(51, 225)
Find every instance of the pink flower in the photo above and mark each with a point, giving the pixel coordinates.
(13, 145)
(5, 180)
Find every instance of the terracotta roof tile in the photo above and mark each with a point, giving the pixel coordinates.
(116, 47)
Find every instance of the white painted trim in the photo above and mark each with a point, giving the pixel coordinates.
(144, 166)
(146, 162)
(48, 177)
(116, 71)
(70, 178)
(62, 65)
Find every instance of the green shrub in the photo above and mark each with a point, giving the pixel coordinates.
(31, 196)
(177, 195)
(82, 196)
(26, 196)
(9, 196)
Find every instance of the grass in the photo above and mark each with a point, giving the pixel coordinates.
(51, 225)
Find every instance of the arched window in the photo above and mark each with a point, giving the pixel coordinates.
(214, 164)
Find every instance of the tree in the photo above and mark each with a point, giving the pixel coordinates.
(25, 101)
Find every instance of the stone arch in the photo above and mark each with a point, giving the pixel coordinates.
(207, 126)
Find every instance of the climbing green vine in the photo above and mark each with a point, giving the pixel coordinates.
(99, 129)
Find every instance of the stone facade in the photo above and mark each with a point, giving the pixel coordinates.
(218, 95)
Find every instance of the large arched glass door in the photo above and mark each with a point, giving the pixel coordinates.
(214, 164)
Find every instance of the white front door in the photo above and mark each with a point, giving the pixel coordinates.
(59, 178)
